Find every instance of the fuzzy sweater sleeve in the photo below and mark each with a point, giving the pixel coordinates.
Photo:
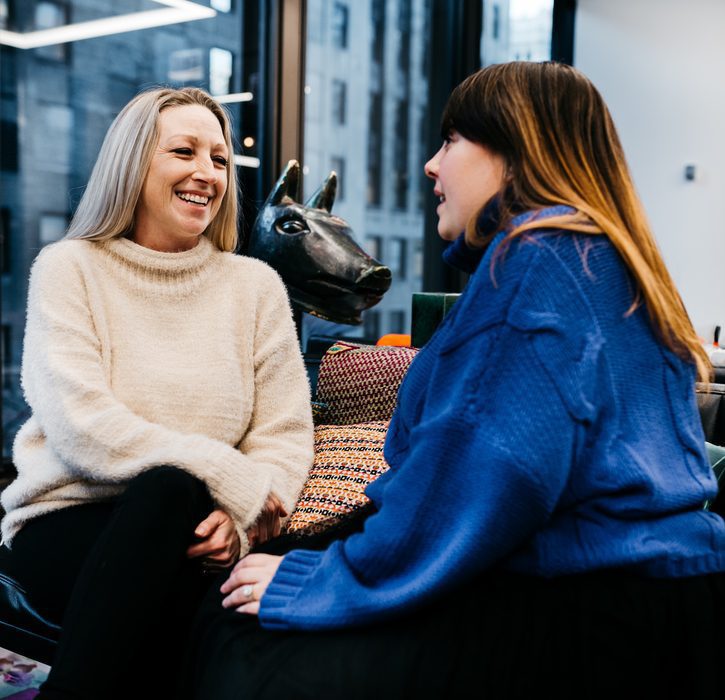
(478, 463)
(100, 440)
(280, 435)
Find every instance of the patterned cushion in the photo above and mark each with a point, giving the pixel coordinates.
(347, 459)
(359, 383)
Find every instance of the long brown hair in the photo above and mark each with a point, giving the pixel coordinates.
(560, 146)
(108, 205)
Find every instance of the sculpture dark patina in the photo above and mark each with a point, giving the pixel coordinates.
(326, 272)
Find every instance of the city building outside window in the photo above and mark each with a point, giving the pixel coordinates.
(315, 21)
(383, 144)
(401, 147)
(416, 264)
(399, 258)
(374, 246)
(337, 163)
(339, 101)
(375, 150)
(340, 20)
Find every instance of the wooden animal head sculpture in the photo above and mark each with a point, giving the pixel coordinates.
(326, 272)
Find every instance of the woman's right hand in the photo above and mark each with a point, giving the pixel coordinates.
(269, 521)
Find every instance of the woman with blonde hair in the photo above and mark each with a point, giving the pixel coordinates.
(541, 530)
(154, 361)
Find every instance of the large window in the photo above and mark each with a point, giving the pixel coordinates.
(379, 141)
(58, 99)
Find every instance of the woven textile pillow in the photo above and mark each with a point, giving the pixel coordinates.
(347, 459)
(359, 383)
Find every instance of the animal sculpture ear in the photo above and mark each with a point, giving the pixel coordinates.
(324, 198)
(286, 185)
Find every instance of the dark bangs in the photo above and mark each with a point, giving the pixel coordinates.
(461, 114)
(473, 110)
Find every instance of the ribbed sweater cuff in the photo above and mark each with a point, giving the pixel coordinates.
(291, 576)
(237, 486)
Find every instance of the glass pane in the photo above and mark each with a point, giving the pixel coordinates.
(58, 100)
(366, 90)
(516, 30)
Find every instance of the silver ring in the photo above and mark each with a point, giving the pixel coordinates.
(248, 591)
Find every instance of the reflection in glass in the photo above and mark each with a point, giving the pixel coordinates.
(220, 71)
(52, 228)
(47, 16)
(59, 100)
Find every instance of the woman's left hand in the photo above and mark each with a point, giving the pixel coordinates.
(248, 582)
(219, 546)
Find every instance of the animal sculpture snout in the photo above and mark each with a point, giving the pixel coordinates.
(375, 279)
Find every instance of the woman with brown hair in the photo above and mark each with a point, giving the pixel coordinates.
(541, 529)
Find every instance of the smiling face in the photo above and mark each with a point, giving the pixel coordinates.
(466, 176)
(186, 181)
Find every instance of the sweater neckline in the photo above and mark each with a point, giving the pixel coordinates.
(150, 260)
(460, 255)
(158, 274)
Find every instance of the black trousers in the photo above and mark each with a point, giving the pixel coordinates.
(609, 634)
(116, 575)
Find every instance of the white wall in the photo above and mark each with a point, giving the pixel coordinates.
(660, 65)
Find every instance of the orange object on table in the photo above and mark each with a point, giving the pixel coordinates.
(397, 339)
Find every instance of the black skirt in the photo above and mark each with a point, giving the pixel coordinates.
(607, 634)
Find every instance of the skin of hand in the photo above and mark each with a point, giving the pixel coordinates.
(269, 522)
(248, 582)
(219, 545)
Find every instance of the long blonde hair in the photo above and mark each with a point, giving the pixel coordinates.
(560, 146)
(108, 205)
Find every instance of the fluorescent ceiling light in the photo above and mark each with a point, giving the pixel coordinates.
(176, 11)
(246, 161)
(235, 97)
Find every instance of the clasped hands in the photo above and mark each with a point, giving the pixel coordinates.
(218, 544)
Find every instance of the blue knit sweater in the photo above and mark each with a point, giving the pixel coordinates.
(541, 430)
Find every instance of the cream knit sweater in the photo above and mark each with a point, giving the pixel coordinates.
(135, 358)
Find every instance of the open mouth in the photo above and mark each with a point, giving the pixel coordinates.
(194, 199)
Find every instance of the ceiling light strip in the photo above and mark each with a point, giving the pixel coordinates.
(234, 97)
(246, 161)
(176, 12)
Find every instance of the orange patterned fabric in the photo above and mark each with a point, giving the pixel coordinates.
(347, 459)
(359, 383)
